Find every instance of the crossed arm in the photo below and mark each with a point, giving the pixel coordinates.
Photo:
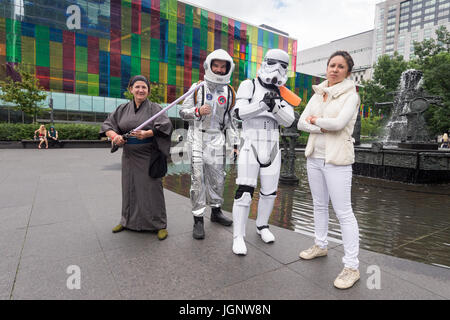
(314, 124)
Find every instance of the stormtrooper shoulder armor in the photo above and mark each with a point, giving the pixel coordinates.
(246, 108)
(246, 90)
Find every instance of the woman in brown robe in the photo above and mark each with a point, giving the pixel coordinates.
(143, 204)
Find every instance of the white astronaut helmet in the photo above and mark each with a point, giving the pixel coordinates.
(210, 76)
(274, 67)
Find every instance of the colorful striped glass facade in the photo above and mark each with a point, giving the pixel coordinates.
(165, 40)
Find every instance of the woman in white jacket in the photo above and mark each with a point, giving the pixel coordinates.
(329, 117)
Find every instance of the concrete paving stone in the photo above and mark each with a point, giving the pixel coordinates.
(61, 240)
(159, 253)
(17, 194)
(175, 282)
(55, 176)
(226, 268)
(8, 268)
(432, 278)
(280, 284)
(179, 221)
(105, 221)
(59, 190)
(107, 208)
(49, 212)
(157, 271)
(4, 174)
(124, 239)
(105, 214)
(287, 245)
(217, 239)
(23, 176)
(324, 270)
(11, 242)
(98, 186)
(204, 265)
(49, 279)
(104, 206)
(14, 217)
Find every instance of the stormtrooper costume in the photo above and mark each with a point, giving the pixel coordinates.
(207, 136)
(261, 115)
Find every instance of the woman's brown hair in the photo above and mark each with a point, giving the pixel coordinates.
(348, 58)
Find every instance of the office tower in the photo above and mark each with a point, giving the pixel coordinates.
(398, 23)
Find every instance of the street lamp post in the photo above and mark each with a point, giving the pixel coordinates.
(50, 104)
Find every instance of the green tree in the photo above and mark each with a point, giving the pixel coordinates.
(433, 59)
(386, 78)
(429, 48)
(25, 95)
(371, 126)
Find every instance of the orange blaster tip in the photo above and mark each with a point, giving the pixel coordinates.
(290, 97)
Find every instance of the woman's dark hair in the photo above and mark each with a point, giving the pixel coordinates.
(344, 54)
(138, 78)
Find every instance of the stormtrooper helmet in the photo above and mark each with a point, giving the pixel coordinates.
(210, 76)
(274, 67)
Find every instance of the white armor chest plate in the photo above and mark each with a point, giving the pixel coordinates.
(263, 126)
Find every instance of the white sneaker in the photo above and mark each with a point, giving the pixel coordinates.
(347, 278)
(239, 247)
(313, 252)
(266, 235)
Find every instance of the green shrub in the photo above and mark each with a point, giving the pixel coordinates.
(371, 126)
(20, 131)
(303, 139)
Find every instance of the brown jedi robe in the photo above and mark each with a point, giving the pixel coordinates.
(143, 204)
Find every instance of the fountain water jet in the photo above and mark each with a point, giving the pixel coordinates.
(407, 153)
(407, 127)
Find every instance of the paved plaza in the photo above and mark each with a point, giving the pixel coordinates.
(57, 209)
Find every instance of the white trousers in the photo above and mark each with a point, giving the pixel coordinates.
(330, 181)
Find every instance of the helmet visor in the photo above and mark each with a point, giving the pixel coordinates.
(272, 62)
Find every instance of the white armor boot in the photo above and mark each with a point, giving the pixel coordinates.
(265, 206)
(241, 209)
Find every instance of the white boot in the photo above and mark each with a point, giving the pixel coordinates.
(239, 246)
(241, 208)
(266, 235)
(265, 207)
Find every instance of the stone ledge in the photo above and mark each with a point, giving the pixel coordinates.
(27, 144)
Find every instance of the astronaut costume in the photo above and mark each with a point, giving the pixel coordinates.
(207, 141)
(260, 154)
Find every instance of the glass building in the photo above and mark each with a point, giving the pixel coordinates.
(85, 52)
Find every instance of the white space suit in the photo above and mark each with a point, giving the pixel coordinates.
(260, 155)
(206, 135)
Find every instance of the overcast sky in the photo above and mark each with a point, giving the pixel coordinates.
(311, 22)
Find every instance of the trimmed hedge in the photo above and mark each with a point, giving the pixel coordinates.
(69, 131)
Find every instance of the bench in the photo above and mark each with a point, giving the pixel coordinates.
(33, 144)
